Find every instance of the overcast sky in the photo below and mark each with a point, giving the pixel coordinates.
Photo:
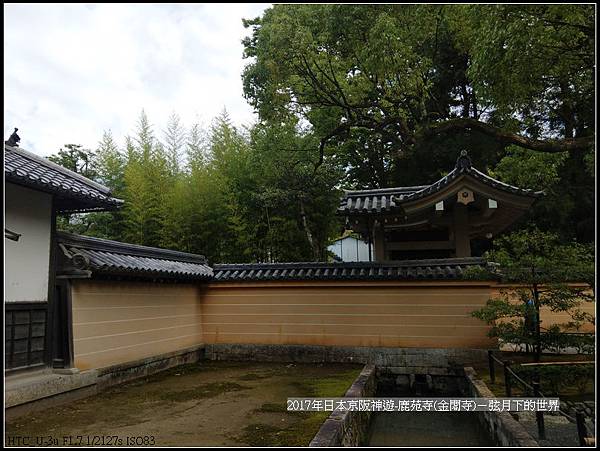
(72, 71)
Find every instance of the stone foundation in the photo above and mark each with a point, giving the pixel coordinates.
(350, 428)
(404, 360)
(29, 393)
(501, 426)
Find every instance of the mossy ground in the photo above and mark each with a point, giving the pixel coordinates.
(297, 428)
(201, 391)
(205, 404)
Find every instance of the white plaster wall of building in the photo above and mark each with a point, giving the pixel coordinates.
(350, 249)
(29, 214)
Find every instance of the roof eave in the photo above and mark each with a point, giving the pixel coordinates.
(50, 164)
(145, 274)
(80, 203)
(75, 205)
(462, 170)
(104, 245)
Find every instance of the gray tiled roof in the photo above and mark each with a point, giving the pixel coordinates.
(375, 200)
(88, 256)
(390, 199)
(435, 269)
(73, 191)
(107, 257)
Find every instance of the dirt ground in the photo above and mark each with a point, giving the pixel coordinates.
(204, 404)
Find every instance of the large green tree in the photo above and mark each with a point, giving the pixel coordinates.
(294, 207)
(408, 72)
(392, 93)
(76, 158)
(104, 165)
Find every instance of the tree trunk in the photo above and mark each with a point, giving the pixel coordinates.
(566, 112)
(466, 101)
(309, 237)
(505, 138)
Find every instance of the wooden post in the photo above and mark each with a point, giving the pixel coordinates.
(492, 366)
(370, 235)
(51, 309)
(461, 231)
(63, 326)
(581, 429)
(507, 384)
(379, 241)
(539, 415)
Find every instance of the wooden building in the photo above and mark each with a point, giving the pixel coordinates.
(35, 191)
(441, 220)
(349, 248)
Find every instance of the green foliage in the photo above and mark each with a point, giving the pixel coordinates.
(148, 180)
(536, 60)
(77, 159)
(104, 165)
(567, 188)
(590, 161)
(232, 195)
(346, 95)
(554, 379)
(534, 170)
(196, 147)
(295, 204)
(531, 256)
(540, 268)
(174, 143)
(556, 340)
(371, 80)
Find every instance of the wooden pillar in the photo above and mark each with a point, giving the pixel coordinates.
(63, 325)
(51, 306)
(461, 231)
(379, 241)
(370, 237)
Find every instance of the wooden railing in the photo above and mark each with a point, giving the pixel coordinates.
(534, 389)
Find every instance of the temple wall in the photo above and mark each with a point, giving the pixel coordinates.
(116, 322)
(383, 314)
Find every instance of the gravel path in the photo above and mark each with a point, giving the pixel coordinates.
(559, 430)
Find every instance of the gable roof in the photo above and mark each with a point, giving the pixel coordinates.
(74, 192)
(348, 234)
(87, 256)
(390, 200)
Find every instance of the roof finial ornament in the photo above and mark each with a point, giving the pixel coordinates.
(14, 139)
(463, 161)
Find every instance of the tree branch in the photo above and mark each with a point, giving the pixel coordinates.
(506, 138)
